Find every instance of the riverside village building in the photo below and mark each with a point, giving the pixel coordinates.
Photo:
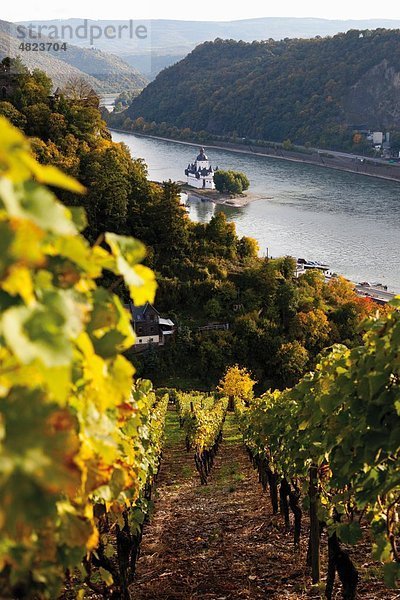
(200, 174)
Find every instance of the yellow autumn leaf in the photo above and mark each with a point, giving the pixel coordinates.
(144, 289)
(19, 283)
(18, 164)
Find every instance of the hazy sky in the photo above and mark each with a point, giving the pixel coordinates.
(220, 10)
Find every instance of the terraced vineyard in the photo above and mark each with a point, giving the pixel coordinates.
(223, 539)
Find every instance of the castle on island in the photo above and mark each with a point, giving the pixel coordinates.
(200, 174)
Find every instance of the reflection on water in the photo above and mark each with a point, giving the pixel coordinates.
(349, 221)
(201, 211)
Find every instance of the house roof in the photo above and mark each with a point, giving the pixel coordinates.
(167, 322)
(138, 312)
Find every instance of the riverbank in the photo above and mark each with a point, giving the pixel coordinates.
(237, 201)
(320, 158)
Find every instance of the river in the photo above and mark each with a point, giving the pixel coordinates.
(348, 221)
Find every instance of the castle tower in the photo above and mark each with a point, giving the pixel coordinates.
(9, 80)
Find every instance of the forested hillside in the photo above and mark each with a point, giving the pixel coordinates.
(308, 91)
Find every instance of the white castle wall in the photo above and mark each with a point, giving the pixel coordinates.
(206, 181)
(146, 339)
(194, 182)
(203, 164)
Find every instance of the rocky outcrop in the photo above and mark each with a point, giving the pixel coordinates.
(374, 101)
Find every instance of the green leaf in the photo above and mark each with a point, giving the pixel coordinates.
(79, 217)
(395, 302)
(77, 250)
(349, 533)
(43, 331)
(75, 530)
(391, 574)
(106, 576)
(130, 249)
(381, 548)
(139, 279)
(50, 175)
(110, 325)
(376, 382)
(30, 201)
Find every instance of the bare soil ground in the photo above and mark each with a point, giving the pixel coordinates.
(221, 541)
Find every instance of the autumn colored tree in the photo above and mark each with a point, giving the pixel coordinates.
(314, 328)
(248, 247)
(15, 117)
(340, 290)
(292, 361)
(237, 382)
(221, 236)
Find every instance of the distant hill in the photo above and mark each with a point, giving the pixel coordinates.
(151, 65)
(105, 72)
(303, 90)
(170, 40)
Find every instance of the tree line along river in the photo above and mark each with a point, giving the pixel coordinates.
(348, 221)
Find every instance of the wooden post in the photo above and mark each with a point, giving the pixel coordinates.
(314, 525)
(294, 497)
(273, 491)
(284, 491)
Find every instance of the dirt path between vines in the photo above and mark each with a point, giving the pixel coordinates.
(220, 541)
